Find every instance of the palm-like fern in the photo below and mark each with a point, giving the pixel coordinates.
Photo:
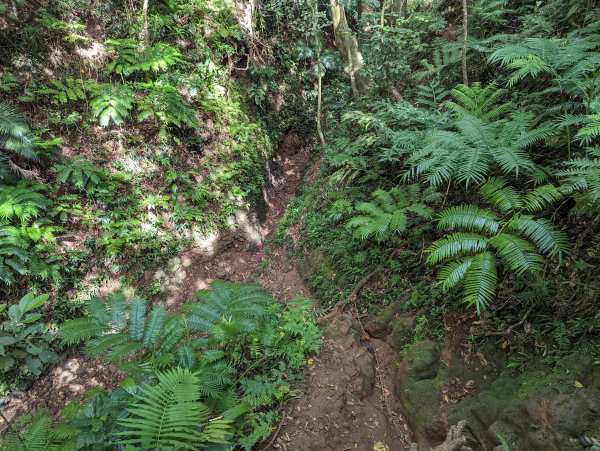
(120, 329)
(582, 176)
(83, 174)
(227, 311)
(25, 239)
(480, 141)
(112, 103)
(166, 105)
(564, 60)
(169, 415)
(31, 433)
(15, 139)
(130, 58)
(513, 238)
(388, 213)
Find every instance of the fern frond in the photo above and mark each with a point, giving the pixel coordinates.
(456, 245)
(137, 318)
(469, 217)
(453, 273)
(480, 281)
(498, 193)
(518, 254)
(541, 233)
(170, 415)
(541, 197)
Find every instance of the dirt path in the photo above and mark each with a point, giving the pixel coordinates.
(345, 401)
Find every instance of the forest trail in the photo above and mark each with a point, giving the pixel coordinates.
(343, 402)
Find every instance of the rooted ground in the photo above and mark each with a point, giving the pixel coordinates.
(344, 403)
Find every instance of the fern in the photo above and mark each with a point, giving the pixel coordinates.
(517, 241)
(478, 101)
(70, 89)
(563, 60)
(130, 58)
(589, 126)
(84, 175)
(581, 176)
(26, 240)
(166, 105)
(227, 311)
(112, 103)
(468, 154)
(30, 433)
(388, 214)
(15, 140)
(170, 415)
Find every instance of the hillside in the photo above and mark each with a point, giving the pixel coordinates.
(302, 225)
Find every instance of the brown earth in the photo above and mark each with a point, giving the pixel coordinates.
(348, 400)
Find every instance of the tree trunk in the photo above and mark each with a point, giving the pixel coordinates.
(145, 31)
(400, 8)
(464, 46)
(319, 103)
(347, 44)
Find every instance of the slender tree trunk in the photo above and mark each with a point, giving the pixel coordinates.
(347, 44)
(145, 31)
(400, 8)
(464, 45)
(317, 44)
(319, 103)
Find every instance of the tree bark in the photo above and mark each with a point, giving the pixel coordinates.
(145, 31)
(400, 8)
(347, 44)
(464, 46)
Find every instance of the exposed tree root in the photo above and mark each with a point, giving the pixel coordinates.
(277, 431)
(499, 333)
(339, 307)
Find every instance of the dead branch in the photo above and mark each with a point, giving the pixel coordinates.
(341, 305)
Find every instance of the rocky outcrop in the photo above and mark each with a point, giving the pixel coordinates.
(539, 409)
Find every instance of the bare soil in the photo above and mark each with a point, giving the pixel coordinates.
(345, 403)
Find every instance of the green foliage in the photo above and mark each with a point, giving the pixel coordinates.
(70, 89)
(517, 240)
(564, 61)
(581, 175)
(112, 103)
(130, 58)
(166, 105)
(83, 174)
(479, 141)
(25, 342)
(388, 213)
(26, 240)
(30, 433)
(170, 415)
(230, 355)
(15, 138)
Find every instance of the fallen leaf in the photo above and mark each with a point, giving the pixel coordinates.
(578, 384)
(310, 361)
(446, 399)
(504, 344)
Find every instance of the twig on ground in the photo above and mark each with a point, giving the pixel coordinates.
(498, 333)
(283, 416)
(341, 305)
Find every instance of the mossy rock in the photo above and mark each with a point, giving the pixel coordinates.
(403, 328)
(422, 361)
(379, 325)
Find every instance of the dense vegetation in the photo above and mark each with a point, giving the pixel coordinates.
(460, 158)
